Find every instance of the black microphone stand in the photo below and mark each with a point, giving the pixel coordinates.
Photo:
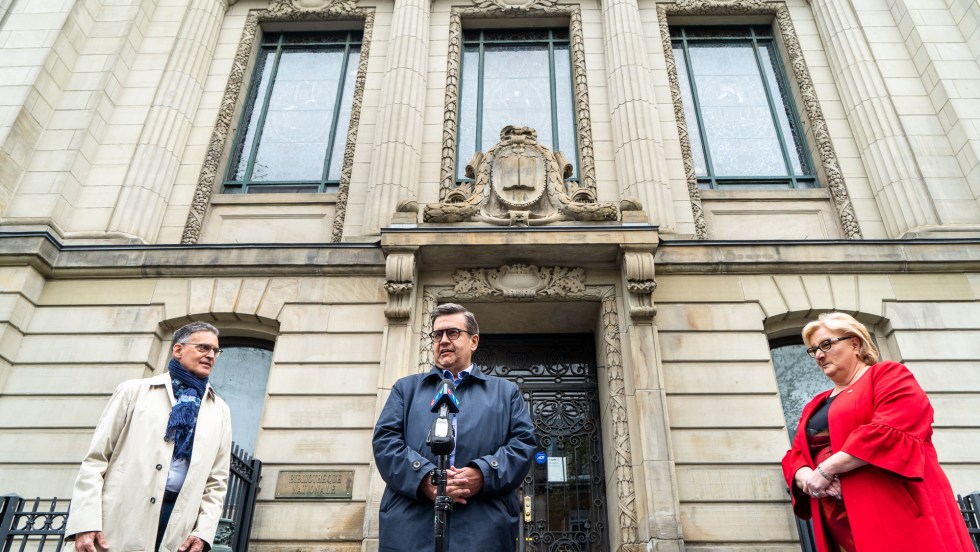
(442, 441)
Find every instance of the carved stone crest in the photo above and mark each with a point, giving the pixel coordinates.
(519, 281)
(519, 182)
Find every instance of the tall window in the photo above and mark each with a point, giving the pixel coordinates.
(294, 127)
(740, 115)
(520, 78)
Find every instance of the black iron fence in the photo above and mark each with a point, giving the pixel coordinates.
(39, 524)
(969, 507)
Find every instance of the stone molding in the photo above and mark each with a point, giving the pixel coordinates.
(519, 182)
(279, 11)
(477, 289)
(524, 9)
(814, 114)
(520, 282)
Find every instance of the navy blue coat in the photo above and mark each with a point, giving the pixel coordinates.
(494, 434)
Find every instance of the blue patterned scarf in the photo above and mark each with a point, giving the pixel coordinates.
(188, 391)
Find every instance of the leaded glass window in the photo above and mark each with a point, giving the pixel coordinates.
(519, 78)
(798, 377)
(294, 127)
(740, 114)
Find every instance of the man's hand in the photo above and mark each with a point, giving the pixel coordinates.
(464, 483)
(192, 544)
(427, 489)
(91, 541)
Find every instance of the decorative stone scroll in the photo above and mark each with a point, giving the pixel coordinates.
(279, 11)
(399, 282)
(638, 267)
(519, 182)
(812, 111)
(519, 281)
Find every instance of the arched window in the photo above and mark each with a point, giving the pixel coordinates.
(240, 377)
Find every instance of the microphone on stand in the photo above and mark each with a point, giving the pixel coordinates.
(442, 441)
(442, 438)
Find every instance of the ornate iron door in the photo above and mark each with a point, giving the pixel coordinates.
(563, 499)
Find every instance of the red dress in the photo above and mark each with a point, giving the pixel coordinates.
(901, 500)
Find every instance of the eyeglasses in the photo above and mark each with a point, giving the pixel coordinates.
(205, 348)
(451, 333)
(826, 344)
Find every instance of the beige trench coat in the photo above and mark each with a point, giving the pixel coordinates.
(120, 486)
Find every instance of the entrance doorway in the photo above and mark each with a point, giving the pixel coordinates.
(563, 497)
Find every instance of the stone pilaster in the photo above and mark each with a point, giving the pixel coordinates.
(153, 168)
(396, 156)
(899, 189)
(640, 167)
(654, 459)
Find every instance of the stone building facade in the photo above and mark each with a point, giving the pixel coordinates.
(671, 189)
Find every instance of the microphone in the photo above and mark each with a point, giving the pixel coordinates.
(445, 395)
(442, 438)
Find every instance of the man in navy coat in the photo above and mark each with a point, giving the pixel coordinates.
(494, 445)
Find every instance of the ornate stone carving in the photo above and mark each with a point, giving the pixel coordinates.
(638, 270)
(491, 9)
(619, 418)
(399, 283)
(812, 110)
(429, 303)
(519, 281)
(279, 11)
(519, 5)
(519, 182)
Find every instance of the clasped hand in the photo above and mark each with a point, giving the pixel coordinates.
(461, 484)
(816, 485)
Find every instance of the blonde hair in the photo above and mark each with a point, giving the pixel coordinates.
(840, 322)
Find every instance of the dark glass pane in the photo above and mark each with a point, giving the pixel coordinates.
(799, 379)
(710, 31)
(240, 376)
(343, 120)
(566, 107)
(468, 108)
(791, 135)
(508, 35)
(690, 113)
(243, 149)
(517, 91)
(741, 136)
(296, 128)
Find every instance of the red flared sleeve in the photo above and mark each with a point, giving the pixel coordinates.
(902, 421)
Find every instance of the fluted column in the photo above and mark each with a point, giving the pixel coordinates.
(397, 153)
(899, 188)
(640, 167)
(153, 169)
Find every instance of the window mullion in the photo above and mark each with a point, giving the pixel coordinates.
(703, 135)
(553, 85)
(338, 101)
(479, 93)
(260, 123)
(772, 111)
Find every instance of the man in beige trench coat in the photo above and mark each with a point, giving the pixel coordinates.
(156, 473)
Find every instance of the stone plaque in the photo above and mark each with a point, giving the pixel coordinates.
(336, 484)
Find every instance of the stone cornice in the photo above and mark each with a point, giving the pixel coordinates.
(818, 257)
(458, 247)
(55, 260)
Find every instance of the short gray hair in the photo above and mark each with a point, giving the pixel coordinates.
(452, 308)
(186, 330)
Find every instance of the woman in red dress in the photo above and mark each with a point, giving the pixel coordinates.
(862, 464)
